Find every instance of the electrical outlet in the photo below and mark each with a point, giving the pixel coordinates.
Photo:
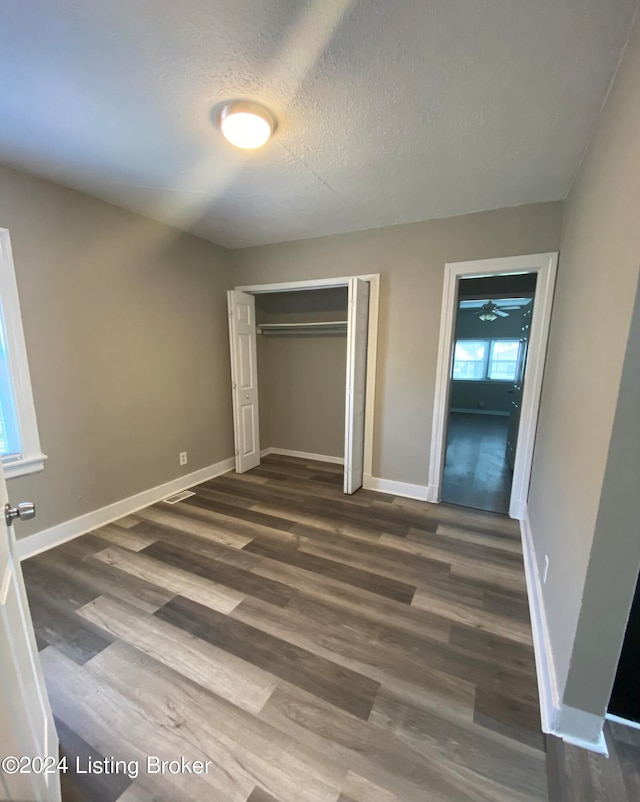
(546, 569)
(183, 458)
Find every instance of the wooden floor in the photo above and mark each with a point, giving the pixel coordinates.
(312, 646)
(576, 775)
(476, 473)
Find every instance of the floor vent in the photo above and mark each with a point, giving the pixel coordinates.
(179, 497)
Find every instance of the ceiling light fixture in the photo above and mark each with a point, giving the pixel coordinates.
(246, 124)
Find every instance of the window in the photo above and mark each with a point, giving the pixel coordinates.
(503, 360)
(19, 440)
(470, 360)
(486, 360)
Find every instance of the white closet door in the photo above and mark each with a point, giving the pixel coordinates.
(244, 379)
(357, 331)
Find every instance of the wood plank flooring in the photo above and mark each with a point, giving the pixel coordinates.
(314, 647)
(576, 775)
(476, 473)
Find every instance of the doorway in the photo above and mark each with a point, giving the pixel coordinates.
(491, 336)
(523, 424)
(355, 320)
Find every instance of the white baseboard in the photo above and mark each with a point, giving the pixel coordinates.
(517, 509)
(626, 722)
(433, 494)
(545, 668)
(287, 452)
(573, 726)
(403, 489)
(480, 412)
(48, 538)
(583, 729)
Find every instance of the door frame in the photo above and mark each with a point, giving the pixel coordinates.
(545, 265)
(372, 342)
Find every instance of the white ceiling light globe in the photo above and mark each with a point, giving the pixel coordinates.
(246, 125)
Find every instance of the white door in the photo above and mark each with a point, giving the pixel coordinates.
(26, 724)
(244, 379)
(357, 334)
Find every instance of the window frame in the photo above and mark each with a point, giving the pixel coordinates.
(31, 458)
(489, 341)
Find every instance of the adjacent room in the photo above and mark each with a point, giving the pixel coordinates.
(493, 321)
(319, 380)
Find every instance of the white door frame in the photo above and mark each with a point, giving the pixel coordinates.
(545, 265)
(372, 340)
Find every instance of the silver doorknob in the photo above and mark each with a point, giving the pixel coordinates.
(25, 510)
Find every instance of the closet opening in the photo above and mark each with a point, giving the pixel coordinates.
(303, 372)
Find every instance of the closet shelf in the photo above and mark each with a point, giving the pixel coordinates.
(318, 326)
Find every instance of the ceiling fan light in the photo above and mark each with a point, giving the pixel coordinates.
(245, 124)
(488, 316)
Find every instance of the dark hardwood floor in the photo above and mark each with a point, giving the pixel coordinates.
(314, 647)
(476, 473)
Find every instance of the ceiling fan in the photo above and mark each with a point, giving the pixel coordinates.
(491, 311)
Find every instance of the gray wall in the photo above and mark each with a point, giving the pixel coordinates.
(615, 554)
(490, 395)
(303, 306)
(126, 333)
(411, 260)
(597, 276)
(304, 403)
(476, 396)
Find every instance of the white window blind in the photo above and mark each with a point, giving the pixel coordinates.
(503, 360)
(486, 360)
(470, 359)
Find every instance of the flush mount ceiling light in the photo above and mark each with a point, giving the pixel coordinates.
(246, 124)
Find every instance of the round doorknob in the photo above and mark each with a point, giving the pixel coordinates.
(25, 511)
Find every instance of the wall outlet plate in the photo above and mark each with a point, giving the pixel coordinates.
(183, 458)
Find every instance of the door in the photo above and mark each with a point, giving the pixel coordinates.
(357, 335)
(27, 730)
(244, 379)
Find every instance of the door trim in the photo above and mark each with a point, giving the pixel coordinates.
(372, 343)
(545, 265)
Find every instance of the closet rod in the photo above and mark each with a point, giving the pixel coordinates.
(318, 326)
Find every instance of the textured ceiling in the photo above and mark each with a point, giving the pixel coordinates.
(389, 110)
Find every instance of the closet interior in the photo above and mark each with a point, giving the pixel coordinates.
(302, 357)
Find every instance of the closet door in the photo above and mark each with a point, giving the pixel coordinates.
(357, 332)
(244, 379)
